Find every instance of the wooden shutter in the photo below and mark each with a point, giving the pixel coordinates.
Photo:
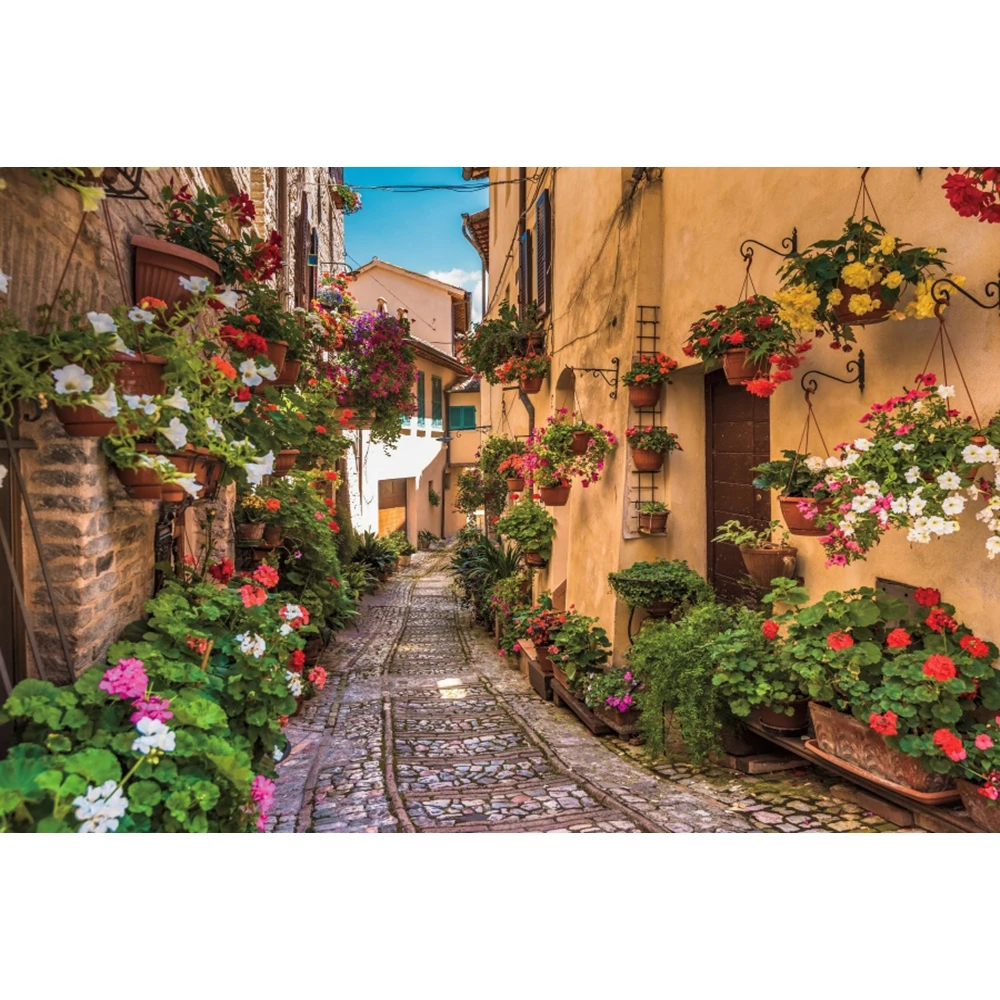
(437, 403)
(302, 242)
(421, 399)
(543, 211)
(524, 271)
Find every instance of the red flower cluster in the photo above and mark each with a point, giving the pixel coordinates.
(884, 723)
(898, 638)
(950, 744)
(197, 644)
(224, 366)
(222, 571)
(973, 192)
(939, 620)
(245, 208)
(252, 596)
(770, 629)
(247, 341)
(926, 597)
(940, 668)
(839, 640)
(266, 259)
(975, 647)
(265, 575)
(149, 302)
(296, 661)
(317, 677)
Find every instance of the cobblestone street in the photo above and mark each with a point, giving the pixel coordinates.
(422, 727)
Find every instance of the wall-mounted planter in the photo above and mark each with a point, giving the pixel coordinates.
(764, 565)
(534, 559)
(644, 396)
(654, 524)
(289, 375)
(250, 531)
(160, 265)
(554, 496)
(285, 460)
(647, 461)
(515, 485)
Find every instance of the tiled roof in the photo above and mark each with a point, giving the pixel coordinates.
(477, 226)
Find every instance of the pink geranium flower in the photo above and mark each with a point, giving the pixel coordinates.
(127, 679)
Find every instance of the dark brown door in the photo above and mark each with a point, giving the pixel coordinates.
(738, 437)
(391, 506)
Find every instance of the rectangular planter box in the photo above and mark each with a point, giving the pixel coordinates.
(623, 723)
(841, 735)
(982, 812)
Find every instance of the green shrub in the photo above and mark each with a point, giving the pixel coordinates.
(646, 583)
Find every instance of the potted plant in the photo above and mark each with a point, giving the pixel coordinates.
(470, 493)
(512, 468)
(552, 456)
(979, 784)
(424, 539)
(202, 237)
(532, 527)
(578, 648)
(345, 198)
(492, 455)
(653, 517)
(892, 692)
(615, 697)
(749, 338)
(495, 341)
(857, 279)
(251, 514)
(753, 679)
(764, 558)
(645, 378)
(803, 487)
(663, 587)
(537, 624)
(433, 497)
(649, 446)
(528, 371)
(916, 470)
(972, 192)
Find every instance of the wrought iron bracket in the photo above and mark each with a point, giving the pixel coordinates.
(604, 373)
(855, 365)
(131, 180)
(790, 243)
(942, 296)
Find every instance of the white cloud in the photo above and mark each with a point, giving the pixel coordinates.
(471, 281)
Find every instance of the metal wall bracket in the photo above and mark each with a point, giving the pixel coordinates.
(942, 296)
(604, 373)
(131, 183)
(790, 243)
(856, 365)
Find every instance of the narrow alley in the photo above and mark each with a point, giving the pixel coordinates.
(422, 728)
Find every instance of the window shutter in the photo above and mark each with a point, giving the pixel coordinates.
(437, 403)
(421, 399)
(462, 418)
(542, 244)
(524, 271)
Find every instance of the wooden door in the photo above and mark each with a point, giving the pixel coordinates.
(391, 506)
(738, 437)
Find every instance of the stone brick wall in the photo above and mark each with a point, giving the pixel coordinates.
(97, 544)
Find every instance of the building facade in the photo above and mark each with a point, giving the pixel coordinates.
(625, 260)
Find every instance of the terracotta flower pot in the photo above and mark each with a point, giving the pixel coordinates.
(534, 343)
(273, 534)
(313, 650)
(982, 811)
(534, 559)
(660, 609)
(850, 740)
(276, 351)
(843, 312)
(654, 523)
(141, 483)
(554, 496)
(208, 471)
(734, 364)
(766, 564)
(404, 560)
(581, 439)
(160, 265)
(285, 460)
(623, 723)
(531, 386)
(542, 659)
(647, 461)
(782, 723)
(560, 675)
(515, 485)
(798, 523)
(187, 464)
(338, 200)
(250, 531)
(289, 373)
(644, 395)
(135, 377)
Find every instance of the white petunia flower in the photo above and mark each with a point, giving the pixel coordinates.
(215, 427)
(102, 322)
(949, 481)
(227, 297)
(122, 348)
(814, 463)
(252, 645)
(953, 505)
(101, 808)
(993, 546)
(846, 529)
(4, 279)
(912, 474)
(936, 525)
(902, 446)
(175, 432)
(832, 462)
(898, 505)
(922, 536)
(145, 403)
(862, 504)
(916, 506)
(248, 370)
(106, 403)
(153, 735)
(973, 454)
(850, 458)
(178, 402)
(862, 444)
(991, 455)
(872, 488)
(946, 391)
(189, 484)
(72, 378)
(195, 284)
(256, 471)
(269, 372)
(138, 315)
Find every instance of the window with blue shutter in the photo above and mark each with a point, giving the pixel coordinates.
(461, 418)
(437, 404)
(421, 399)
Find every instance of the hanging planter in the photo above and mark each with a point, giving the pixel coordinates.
(805, 516)
(738, 370)
(142, 483)
(273, 534)
(645, 460)
(146, 484)
(645, 378)
(515, 485)
(285, 460)
(581, 441)
(160, 265)
(208, 470)
(653, 518)
(554, 496)
(528, 371)
(765, 564)
(649, 446)
(531, 386)
(843, 314)
(644, 396)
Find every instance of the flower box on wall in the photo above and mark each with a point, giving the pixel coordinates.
(160, 265)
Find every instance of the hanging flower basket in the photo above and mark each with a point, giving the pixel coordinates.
(660, 609)
(554, 496)
(798, 522)
(845, 317)
(250, 531)
(208, 470)
(734, 364)
(515, 485)
(531, 386)
(160, 265)
(273, 534)
(581, 441)
(644, 395)
(285, 460)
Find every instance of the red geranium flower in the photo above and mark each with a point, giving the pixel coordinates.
(839, 640)
(296, 661)
(939, 620)
(950, 744)
(222, 571)
(927, 596)
(265, 575)
(252, 596)
(974, 647)
(320, 429)
(898, 638)
(148, 302)
(770, 629)
(885, 723)
(940, 668)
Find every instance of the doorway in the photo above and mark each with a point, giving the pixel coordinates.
(391, 506)
(738, 437)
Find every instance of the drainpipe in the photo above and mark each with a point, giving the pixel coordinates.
(282, 196)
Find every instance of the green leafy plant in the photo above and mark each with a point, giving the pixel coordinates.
(426, 537)
(653, 507)
(470, 491)
(650, 438)
(580, 647)
(616, 689)
(530, 525)
(433, 497)
(645, 584)
(739, 534)
(795, 475)
(494, 341)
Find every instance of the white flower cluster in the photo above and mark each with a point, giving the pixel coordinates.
(294, 683)
(154, 737)
(101, 808)
(252, 644)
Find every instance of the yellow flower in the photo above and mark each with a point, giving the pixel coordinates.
(893, 279)
(931, 249)
(921, 306)
(91, 197)
(875, 275)
(856, 275)
(888, 244)
(868, 227)
(861, 304)
(896, 314)
(870, 261)
(797, 306)
(835, 297)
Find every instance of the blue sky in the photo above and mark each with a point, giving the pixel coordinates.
(421, 231)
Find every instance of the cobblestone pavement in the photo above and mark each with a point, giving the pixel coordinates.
(422, 727)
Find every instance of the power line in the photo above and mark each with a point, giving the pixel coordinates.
(420, 188)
